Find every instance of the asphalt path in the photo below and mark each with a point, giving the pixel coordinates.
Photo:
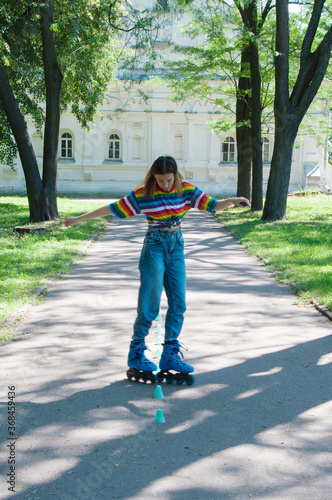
(256, 423)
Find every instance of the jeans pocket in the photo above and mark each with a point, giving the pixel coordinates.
(152, 238)
(180, 239)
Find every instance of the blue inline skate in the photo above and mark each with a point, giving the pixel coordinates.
(170, 360)
(140, 368)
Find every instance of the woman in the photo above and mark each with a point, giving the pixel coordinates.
(164, 198)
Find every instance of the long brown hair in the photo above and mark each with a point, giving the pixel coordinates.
(161, 166)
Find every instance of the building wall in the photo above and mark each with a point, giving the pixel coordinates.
(146, 130)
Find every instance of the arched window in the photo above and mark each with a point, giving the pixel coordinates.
(266, 150)
(66, 145)
(228, 149)
(178, 146)
(114, 147)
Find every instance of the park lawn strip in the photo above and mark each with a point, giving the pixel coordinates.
(298, 250)
(27, 262)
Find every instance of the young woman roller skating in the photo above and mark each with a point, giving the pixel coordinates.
(164, 198)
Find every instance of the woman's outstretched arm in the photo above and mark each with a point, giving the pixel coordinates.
(238, 202)
(99, 212)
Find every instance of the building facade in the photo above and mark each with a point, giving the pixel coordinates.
(114, 157)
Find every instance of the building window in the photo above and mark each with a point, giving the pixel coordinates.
(178, 147)
(66, 145)
(114, 147)
(228, 149)
(266, 150)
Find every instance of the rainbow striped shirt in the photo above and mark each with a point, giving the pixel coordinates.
(167, 208)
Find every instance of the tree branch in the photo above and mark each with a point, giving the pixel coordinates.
(143, 23)
(282, 56)
(307, 89)
(311, 30)
(268, 7)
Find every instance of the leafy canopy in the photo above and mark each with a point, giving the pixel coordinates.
(87, 53)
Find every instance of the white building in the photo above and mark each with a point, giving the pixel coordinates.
(131, 132)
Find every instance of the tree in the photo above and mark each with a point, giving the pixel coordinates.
(253, 21)
(290, 108)
(230, 56)
(212, 70)
(59, 53)
(243, 131)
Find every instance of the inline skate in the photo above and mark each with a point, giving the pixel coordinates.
(140, 368)
(170, 360)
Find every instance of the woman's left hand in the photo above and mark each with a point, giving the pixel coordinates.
(240, 201)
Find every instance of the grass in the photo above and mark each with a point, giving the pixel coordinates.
(298, 250)
(27, 262)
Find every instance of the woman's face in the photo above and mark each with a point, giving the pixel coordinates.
(165, 181)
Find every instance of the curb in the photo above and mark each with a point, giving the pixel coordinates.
(322, 309)
(319, 307)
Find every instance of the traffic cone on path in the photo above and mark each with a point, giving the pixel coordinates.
(159, 417)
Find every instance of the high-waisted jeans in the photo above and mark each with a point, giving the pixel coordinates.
(161, 265)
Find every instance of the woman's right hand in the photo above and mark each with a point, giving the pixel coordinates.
(70, 221)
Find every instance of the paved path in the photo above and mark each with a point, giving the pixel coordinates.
(256, 424)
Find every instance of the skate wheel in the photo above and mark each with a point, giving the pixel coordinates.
(149, 378)
(169, 378)
(190, 380)
(130, 374)
(179, 381)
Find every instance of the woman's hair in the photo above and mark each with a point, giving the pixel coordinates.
(162, 165)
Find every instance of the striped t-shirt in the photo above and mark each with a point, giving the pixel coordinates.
(167, 208)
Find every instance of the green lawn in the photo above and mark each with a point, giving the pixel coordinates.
(300, 248)
(27, 262)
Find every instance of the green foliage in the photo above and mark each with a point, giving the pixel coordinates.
(8, 150)
(211, 68)
(89, 66)
(86, 51)
(140, 31)
(297, 250)
(89, 36)
(20, 55)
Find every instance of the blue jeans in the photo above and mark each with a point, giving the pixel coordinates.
(161, 265)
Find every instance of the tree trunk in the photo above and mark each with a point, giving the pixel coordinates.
(53, 82)
(41, 192)
(243, 132)
(277, 189)
(248, 12)
(243, 140)
(20, 132)
(256, 130)
(289, 110)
